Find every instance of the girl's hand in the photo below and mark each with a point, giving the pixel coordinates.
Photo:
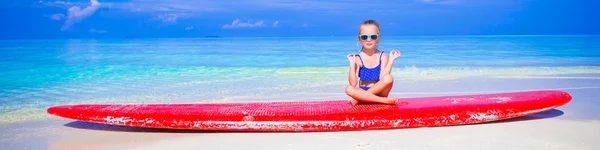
(394, 54)
(351, 58)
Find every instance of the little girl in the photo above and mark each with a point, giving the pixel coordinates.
(371, 68)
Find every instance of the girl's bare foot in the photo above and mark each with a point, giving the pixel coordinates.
(391, 101)
(353, 101)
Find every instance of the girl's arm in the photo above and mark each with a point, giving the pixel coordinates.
(352, 72)
(389, 62)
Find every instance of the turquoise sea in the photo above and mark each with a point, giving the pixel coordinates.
(36, 74)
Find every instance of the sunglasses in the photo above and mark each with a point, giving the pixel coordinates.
(365, 37)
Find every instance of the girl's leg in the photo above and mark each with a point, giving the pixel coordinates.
(364, 96)
(383, 87)
(386, 92)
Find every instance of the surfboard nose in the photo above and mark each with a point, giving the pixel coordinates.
(56, 110)
(562, 97)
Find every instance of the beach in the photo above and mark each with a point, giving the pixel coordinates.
(575, 125)
(38, 74)
(462, 70)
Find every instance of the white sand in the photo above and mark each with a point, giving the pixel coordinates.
(578, 128)
(534, 134)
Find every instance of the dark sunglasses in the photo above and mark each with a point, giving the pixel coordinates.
(365, 37)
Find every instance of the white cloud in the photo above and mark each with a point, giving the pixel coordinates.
(307, 25)
(61, 4)
(189, 28)
(237, 24)
(199, 7)
(57, 16)
(171, 11)
(167, 18)
(193, 7)
(92, 30)
(75, 14)
(165, 6)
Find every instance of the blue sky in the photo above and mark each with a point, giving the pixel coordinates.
(193, 18)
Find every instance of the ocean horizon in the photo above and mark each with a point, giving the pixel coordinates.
(101, 37)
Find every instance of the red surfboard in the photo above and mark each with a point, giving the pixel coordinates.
(334, 115)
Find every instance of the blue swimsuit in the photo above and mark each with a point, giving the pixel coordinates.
(369, 74)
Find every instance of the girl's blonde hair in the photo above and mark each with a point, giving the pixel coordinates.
(369, 22)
